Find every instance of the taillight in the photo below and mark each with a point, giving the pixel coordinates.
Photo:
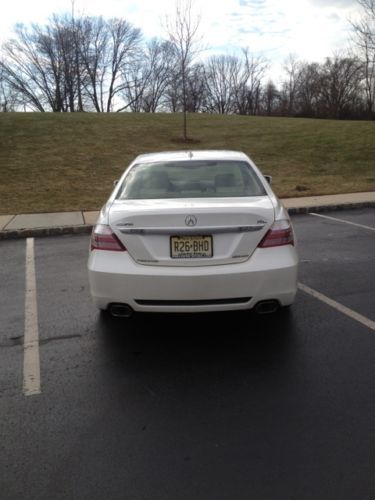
(102, 238)
(281, 233)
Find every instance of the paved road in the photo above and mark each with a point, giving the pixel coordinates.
(181, 407)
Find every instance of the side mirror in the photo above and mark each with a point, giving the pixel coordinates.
(268, 179)
(115, 183)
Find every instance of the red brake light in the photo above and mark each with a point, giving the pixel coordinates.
(281, 233)
(102, 238)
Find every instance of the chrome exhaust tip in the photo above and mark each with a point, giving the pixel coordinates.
(267, 307)
(120, 310)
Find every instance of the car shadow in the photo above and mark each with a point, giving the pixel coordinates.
(178, 342)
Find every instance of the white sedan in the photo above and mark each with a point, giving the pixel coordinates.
(192, 232)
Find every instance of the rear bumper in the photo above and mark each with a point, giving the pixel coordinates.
(270, 273)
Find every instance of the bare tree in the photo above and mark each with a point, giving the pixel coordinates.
(69, 62)
(290, 84)
(247, 83)
(41, 65)
(147, 78)
(368, 58)
(60, 43)
(93, 47)
(196, 90)
(240, 78)
(125, 40)
(234, 84)
(89, 63)
(8, 97)
(309, 89)
(340, 85)
(364, 31)
(255, 68)
(366, 53)
(172, 99)
(183, 34)
(159, 60)
(108, 50)
(366, 26)
(28, 69)
(135, 82)
(222, 77)
(271, 98)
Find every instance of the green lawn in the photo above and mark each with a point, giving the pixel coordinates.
(60, 162)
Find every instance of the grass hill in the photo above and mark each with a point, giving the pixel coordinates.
(60, 162)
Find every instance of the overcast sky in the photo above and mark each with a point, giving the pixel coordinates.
(310, 29)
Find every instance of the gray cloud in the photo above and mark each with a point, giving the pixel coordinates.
(335, 18)
(252, 3)
(334, 3)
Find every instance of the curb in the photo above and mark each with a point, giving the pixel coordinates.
(328, 208)
(44, 231)
(86, 228)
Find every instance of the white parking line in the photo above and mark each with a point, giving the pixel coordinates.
(31, 363)
(339, 307)
(343, 221)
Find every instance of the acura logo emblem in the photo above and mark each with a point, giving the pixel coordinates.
(190, 220)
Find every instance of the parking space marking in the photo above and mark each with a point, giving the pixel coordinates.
(343, 221)
(339, 307)
(31, 362)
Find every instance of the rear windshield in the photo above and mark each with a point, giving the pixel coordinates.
(190, 179)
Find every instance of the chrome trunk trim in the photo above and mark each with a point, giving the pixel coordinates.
(188, 230)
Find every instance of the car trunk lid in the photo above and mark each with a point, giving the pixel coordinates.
(191, 232)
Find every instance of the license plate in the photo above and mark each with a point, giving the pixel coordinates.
(191, 247)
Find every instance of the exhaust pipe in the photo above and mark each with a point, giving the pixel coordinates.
(267, 307)
(120, 310)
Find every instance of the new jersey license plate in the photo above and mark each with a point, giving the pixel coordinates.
(191, 247)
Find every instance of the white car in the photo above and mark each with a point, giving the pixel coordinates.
(192, 232)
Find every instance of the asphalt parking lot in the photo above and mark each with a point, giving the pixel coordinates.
(220, 406)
